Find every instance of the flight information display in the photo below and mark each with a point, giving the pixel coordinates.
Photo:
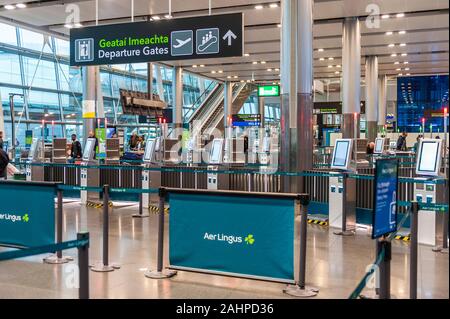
(243, 120)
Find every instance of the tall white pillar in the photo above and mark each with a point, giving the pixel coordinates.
(297, 90)
(371, 97)
(92, 103)
(262, 110)
(351, 77)
(382, 101)
(178, 96)
(159, 83)
(227, 104)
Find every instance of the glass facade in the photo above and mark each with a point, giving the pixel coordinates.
(37, 67)
(421, 97)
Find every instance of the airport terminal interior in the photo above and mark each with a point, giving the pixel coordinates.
(224, 149)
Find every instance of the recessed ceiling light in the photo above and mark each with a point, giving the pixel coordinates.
(330, 59)
(406, 62)
(391, 45)
(220, 71)
(398, 69)
(322, 59)
(396, 62)
(279, 25)
(247, 54)
(402, 32)
(320, 50)
(255, 62)
(235, 76)
(277, 69)
(402, 44)
(404, 54)
(393, 54)
(202, 65)
(337, 72)
(213, 72)
(400, 15)
(330, 66)
(408, 73)
(194, 66)
(338, 66)
(21, 5)
(263, 62)
(9, 7)
(389, 33)
(259, 7)
(273, 5)
(385, 16)
(242, 81)
(269, 70)
(400, 74)
(407, 69)
(156, 18)
(229, 77)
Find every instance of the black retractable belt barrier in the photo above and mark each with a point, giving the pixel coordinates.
(413, 251)
(104, 265)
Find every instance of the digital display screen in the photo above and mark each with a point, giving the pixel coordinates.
(149, 149)
(429, 156)
(158, 144)
(269, 90)
(90, 143)
(216, 151)
(245, 120)
(341, 152)
(379, 145)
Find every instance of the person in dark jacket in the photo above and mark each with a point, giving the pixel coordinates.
(4, 161)
(401, 142)
(75, 150)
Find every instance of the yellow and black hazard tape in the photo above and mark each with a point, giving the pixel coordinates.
(318, 222)
(403, 238)
(98, 205)
(155, 210)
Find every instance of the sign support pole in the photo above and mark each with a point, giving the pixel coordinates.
(413, 251)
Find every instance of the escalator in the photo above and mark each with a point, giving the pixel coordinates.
(211, 113)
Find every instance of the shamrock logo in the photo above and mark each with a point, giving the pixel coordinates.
(26, 218)
(250, 240)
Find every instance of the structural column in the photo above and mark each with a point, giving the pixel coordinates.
(262, 110)
(150, 80)
(177, 97)
(351, 77)
(382, 102)
(227, 105)
(296, 90)
(371, 98)
(92, 99)
(159, 83)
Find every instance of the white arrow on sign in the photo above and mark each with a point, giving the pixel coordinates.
(229, 36)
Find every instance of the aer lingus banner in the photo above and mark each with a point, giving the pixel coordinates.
(243, 236)
(27, 214)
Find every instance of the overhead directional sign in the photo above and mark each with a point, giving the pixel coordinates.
(215, 36)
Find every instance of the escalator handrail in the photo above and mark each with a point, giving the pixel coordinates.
(200, 108)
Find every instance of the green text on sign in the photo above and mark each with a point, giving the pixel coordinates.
(269, 90)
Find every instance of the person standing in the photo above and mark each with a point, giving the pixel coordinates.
(401, 142)
(4, 161)
(1, 139)
(75, 149)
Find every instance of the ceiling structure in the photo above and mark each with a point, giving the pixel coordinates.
(412, 38)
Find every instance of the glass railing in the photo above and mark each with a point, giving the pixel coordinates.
(192, 109)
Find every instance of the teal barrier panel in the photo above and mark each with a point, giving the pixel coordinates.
(27, 214)
(241, 236)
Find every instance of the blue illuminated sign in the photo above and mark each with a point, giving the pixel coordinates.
(385, 199)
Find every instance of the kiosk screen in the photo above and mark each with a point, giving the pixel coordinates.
(216, 152)
(90, 143)
(149, 149)
(379, 145)
(341, 154)
(429, 158)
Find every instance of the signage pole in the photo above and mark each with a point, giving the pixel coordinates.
(413, 251)
(83, 265)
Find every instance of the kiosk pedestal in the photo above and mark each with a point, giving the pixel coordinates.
(150, 180)
(431, 223)
(89, 177)
(342, 205)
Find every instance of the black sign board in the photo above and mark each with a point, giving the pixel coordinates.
(246, 120)
(214, 36)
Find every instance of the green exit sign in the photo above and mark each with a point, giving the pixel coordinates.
(268, 90)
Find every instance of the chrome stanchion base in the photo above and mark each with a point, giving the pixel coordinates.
(296, 291)
(345, 233)
(141, 215)
(55, 260)
(154, 274)
(100, 267)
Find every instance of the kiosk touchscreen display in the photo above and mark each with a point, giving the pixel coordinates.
(341, 153)
(149, 150)
(216, 152)
(429, 158)
(90, 143)
(379, 145)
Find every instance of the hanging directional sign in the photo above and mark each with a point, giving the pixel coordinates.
(215, 36)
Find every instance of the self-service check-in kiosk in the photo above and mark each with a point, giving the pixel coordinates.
(89, 177)
(216, 181)
(342, 190)
(151, 179)
(36, 155)
(194, 150)
(428, 166)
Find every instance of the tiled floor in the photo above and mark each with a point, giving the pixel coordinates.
(334, 265)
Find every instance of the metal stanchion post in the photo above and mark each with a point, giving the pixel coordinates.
(300, 289)
(58, 258)
(83, 266)
(141, 208)
(160, 273)
(413, 251)
(385, 269)
(104, 265)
